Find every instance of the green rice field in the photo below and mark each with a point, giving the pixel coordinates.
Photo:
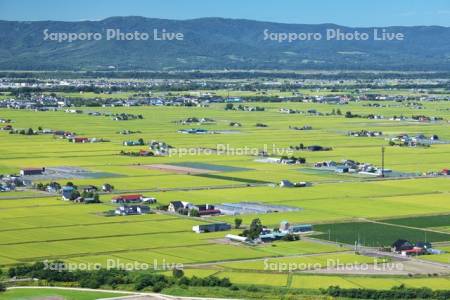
(342, 208)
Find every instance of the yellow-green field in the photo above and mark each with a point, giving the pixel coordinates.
(38, 226)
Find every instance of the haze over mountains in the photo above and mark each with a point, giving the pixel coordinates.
(216, 43)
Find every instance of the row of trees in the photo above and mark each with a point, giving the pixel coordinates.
(57, 272)
(399, 292)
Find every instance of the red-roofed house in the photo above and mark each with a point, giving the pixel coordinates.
(80, 140)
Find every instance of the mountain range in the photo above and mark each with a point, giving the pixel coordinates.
(217, 43)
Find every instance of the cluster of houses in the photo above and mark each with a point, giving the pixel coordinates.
(289, 111)
(292, 160)
(365, 133)
(127, 132)
(156, 148)
(407, 248)
(269, 235)
(141, 152)
(413, 141)
(82, 194)
(139, 142)
(421, 118)
(4, 121)
(304, 127)
(312, 148)
(285, 160)
(126, 210)
(126, 117)
(288, 184)
(114, 116)
(68, 135)
(241, 107)
(160, 148)
(132, 204)
(31, 131)
(351, 166)
(187, 208)
(133, 198)
(11, 182)
(194, 120)
(195, 131)
(79, 139)
(7, 127)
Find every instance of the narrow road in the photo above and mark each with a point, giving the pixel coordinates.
(126, 294)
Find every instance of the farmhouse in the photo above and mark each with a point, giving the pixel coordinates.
(288, 184)
(79, 140)
(107, 188)
(365, 133)
(211, 227)
(126, 210)
(160, 148)
(268, 235)
(67, 192)
(88, 188)
(53, 187)
(134, 198)
(407, 248)
(206, 209)
(149, 200)
(187, 208)
(194, 131)
(32, 171)
(133, 143)
(175, 206)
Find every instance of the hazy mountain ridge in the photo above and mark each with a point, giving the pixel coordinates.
(216, 43)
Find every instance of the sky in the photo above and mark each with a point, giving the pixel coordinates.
(362, 13)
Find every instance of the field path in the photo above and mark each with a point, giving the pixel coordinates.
(126, 294)
(404, 226)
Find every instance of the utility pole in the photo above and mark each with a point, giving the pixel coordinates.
(382, 161)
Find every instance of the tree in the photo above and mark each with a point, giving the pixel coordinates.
(229, 106)
(30, 131)
(194, 212)
(2, 287)
(158, 287)
(237, 223)
(255, 229)
(177, 273)
(141, 141)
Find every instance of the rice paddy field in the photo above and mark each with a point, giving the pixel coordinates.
(343, 208)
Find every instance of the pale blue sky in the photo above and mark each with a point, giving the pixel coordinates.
(343, 12)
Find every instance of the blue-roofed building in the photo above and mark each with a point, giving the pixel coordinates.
(67, 192)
